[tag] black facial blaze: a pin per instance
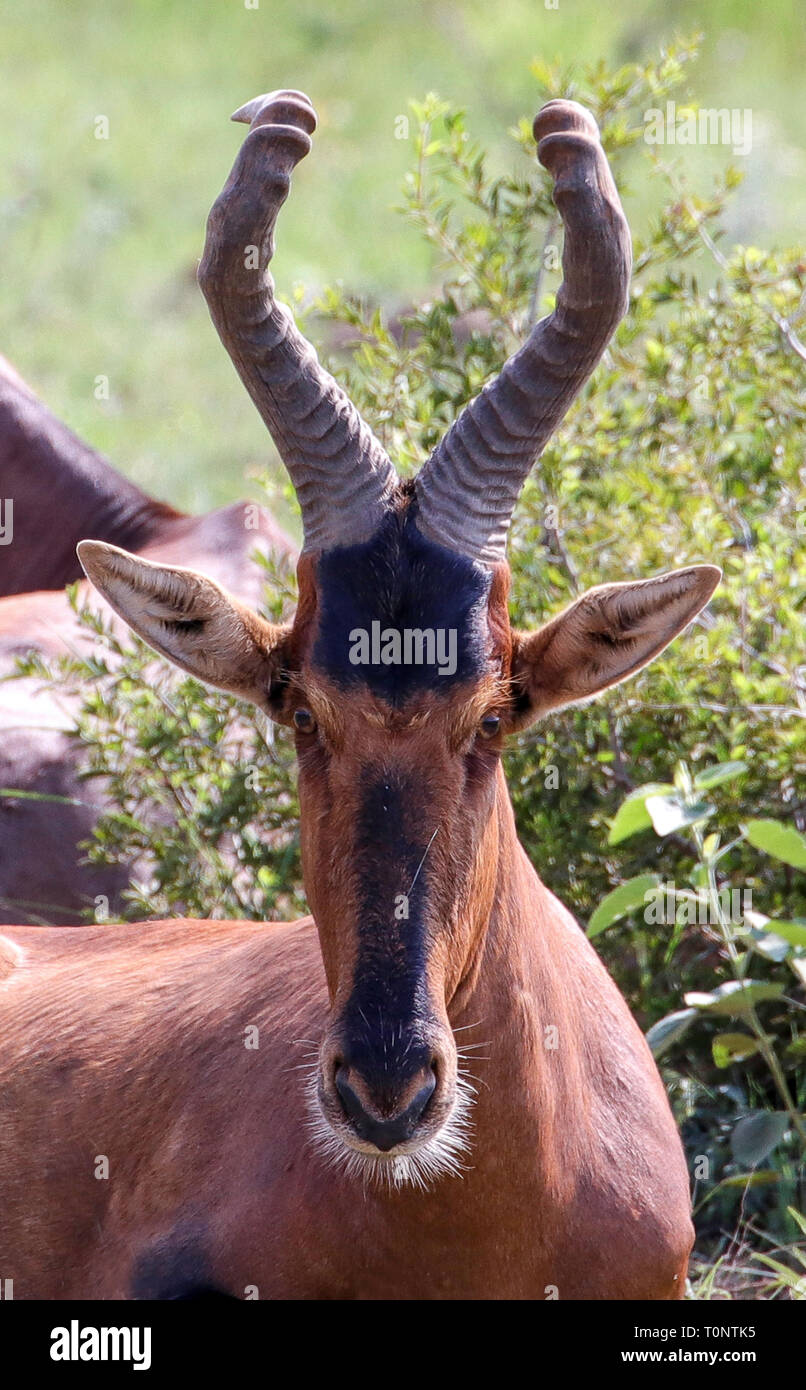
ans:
(388, 998)
(399, 582)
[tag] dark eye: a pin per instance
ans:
(304, 721)
(489, 726)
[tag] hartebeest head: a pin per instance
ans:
(400, 674)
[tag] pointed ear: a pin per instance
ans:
(189, 619)
(607, 635)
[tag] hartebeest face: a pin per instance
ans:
(398, 752)
(398, 783)
(399, 674)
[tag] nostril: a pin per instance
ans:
(351, 1104)
(416, 1109)
(384, 1133)
(423, 1096)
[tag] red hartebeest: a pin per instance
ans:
(53, 488)
(59, 488)
(174, 1049)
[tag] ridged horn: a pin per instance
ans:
(341, 474)
(468, 488)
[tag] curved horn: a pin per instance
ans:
(341, 474)
(468, 488)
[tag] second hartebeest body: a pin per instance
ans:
(432, 1088)
(59, 489)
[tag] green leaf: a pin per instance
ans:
(786, 1278)
(717, 774)
(728, 1048)
(16, 795)
(542, 71)
(769, 945)
(794, 931)
(632, 815)
(781, 841)
(669, 1030)
(670, 813)
(735, 998)
(682, 779)
(760, 1178)
(757, 1134)
(621, 901)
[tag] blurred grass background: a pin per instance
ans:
(99, 239)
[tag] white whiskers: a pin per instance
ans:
(442, 1155)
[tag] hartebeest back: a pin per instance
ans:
(295, 1108)
(55, 487)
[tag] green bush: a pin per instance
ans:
(687, 446)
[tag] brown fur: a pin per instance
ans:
(129, 1043)
(59, 486)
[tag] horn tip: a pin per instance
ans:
(248, 110)
(560, 117)
(287, 106)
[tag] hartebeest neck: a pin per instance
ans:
(506, 926)
(525, 1001)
